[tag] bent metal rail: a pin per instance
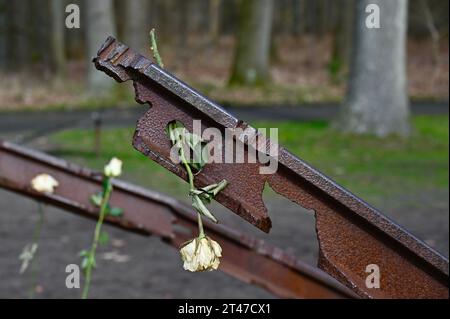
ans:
(351, 233)
(150, 213)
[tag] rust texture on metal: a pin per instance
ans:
(351, 233)
(149, 213)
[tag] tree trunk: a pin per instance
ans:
(182, 31)
(3, 35)
(196, 13)
(137, 27)
(39, 37)
(297, 17)
(17, 35)
(100, 24)
(321, 22)
(377, 101)
(340, 54)
(214, 21)
(75, 40)
(58, 58)
(251, 65)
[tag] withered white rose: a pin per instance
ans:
(44, 183)
(114, 168)
(201, 254)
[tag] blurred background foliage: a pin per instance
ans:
(45, 65)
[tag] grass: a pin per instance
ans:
(370, 167)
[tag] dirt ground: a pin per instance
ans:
(300, 74)
(134, 266)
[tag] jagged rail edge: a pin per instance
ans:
(117, 68)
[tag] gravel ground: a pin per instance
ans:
(133, 266)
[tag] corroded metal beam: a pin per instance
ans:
(351, 233)
(150, 213)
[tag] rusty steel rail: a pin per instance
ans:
(351, 233)
(149, 213)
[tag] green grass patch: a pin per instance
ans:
(370, 167)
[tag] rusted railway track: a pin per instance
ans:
(150, 213)
(351, 233)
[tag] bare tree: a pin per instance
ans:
(75, 38)
(182, 32)
(251, 65)
(377, 101)
(3, 34)
(434, 32)
(214, 20)
(340, 54)
(57, 37)
(17, 53)
(100, 24)
(137, 25)
(297, 11)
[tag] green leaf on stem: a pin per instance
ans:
(103, 238)
(199, 205)
(96, 199)
(208, 193)
(115, 211)
(199, 151)
(85, 263)
(88, 259)
(182, 138)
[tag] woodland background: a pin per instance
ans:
(310, 44)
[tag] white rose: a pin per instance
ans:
(201, 254)
(114, 168)
(44, 183)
